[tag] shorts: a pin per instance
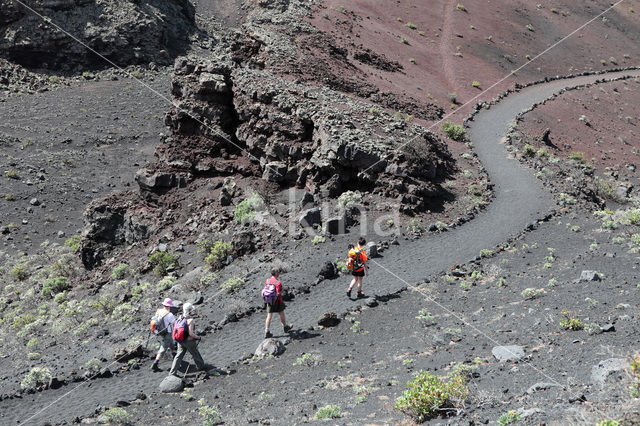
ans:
(166, 343)
(359, 273)
(276, 307)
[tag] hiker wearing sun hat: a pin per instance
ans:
(162, 326)
(184, 334)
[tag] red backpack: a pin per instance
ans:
(180, 330)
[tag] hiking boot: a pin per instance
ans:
(349, 293)
(360, 295)
(155, 368)
(287, 328)
(267, 334)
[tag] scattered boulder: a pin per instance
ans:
(590, 276)
(128, 353)
(332, 188)
(508, 353)
(161, 181)
(541, 386)
(372, 249)
(329, 270)
(225, 197)
(243, 243)
(171, 384)
(329, 319)
(612, 369)
(310, 218)
(336, 225)
(271, 346)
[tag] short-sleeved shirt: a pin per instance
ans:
(167, 322)
(278, 285)
(363, 257)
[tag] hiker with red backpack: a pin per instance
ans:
(357, 263)
(272, 296)
(184, 334)
(161, 326)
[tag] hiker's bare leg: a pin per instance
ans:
(353, 281)
(267, 323)
(282, 318)
(359, 284)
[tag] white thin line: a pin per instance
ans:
(160, 95)
(444, 308)
(494, 84)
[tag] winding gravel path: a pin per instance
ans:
(519, 200)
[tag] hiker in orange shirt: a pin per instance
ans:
(358, 260)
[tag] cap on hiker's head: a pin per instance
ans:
(187, 309)
(167, 302)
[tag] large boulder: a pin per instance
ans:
(310, 218)
(609, 370)
(336, 225)
(270, 347)
(508, 353)
(328, 319)
(126, 32)
(329, 270)
(171, 384)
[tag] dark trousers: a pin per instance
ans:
(183, 347)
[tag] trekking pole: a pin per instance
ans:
(146, 345)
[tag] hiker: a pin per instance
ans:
(358, 261)
(272, 295)
(162, 326)
(184, 334)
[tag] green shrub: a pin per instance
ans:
(35, 378)
(532, 293)
(94, 364)
(210, 415)
(427, 394)
(486, 253)
(577, 156)
(509, 417)
(342, 267)
(105, 304)
(569, 322)
(217, 254)
(12, 174)
(165, 284)
(64, 266)
(608, 422)
(20, 321)
(74, 242)
(529, 151)
(425, 318)
(412, 26)
(318, 239)
(162, 261)
(54, 285)
(530, 27)
(232, 284)
(329, 412)
(19, 273)
(475, 84)
(349, 199)
(208, 279)
(120, 271)
(116, 416)
(461, 7)
(453, 131)
(246, 210)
